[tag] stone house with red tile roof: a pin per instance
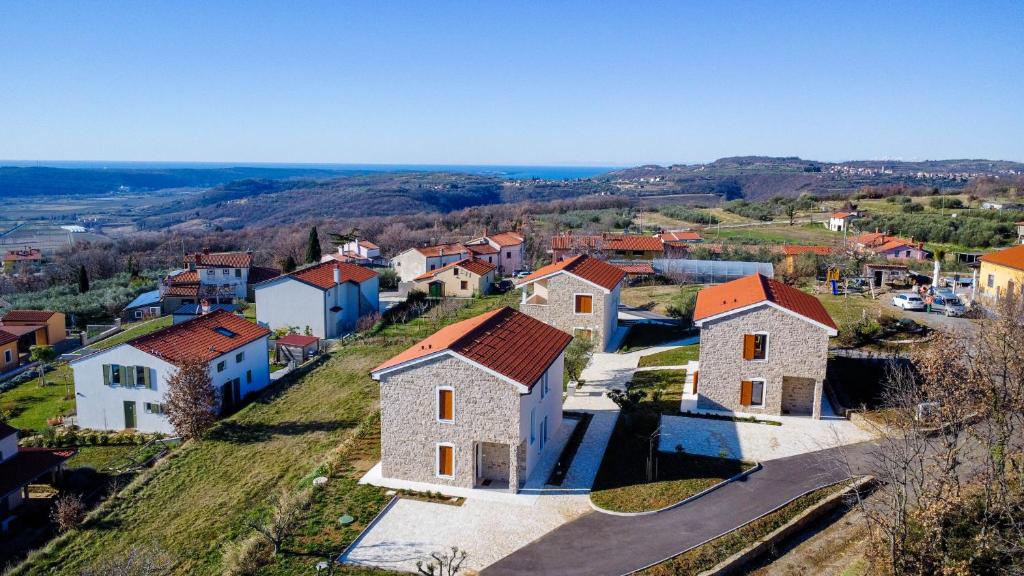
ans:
(328, 299)
(763, 349)
(124, 387)
(411, 263)
(474, 405)
(579, 295)
(463, 279)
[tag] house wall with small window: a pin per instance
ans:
(574, 305)
(236, 278)
(412, 263)
(9, 356)
(995, 281)
(106, 381)
(459, 283)
(540, 413)
(745, 358)
(286, 302)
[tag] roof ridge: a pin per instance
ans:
(472, 334)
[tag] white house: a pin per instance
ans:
(355, 252)
(509, 251)
(414, 262)
(840, 221)
(124, 387)
(327, 298)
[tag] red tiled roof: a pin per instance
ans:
(893, 245)
(221, 259)
(871, 239)
(184, 277)
(679, 236)
(21, 329)
(202, 338)
(297, 340)
(793, 250)
(182, 290)
(1010, 257)
(478, 267)
(482, 249)
(506, 341)
(27, 316)
(6, 338)
(583, 266)
(447, 249)
(754, 289)
(620, 242)
(322, 275)
(841, 215)
(28, 465)
(19, 255)
(259, 274)
(504, 239)
(645, 268)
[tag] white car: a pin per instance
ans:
(908, 301)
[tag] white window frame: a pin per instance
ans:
(222, 366)
(437, 404)
(767, 344)
(437, 461)
(211, 273)
(533, 422)
(225, 272)
(764, 385)
(8, 357)
(574, 295)
(138, 314)
(240, 357)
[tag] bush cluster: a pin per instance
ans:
(104, 299)
(979, 229)
(65, 437)
(686, 214)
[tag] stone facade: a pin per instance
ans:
(559, 311)
(797, 352)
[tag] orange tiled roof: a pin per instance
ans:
(841, 215)
(1010, 257)
(322, 275)
(6, 338)
(893, 244)
(19, 255)
(793, 250)
(184, 277)
(368, 245)
(871, 239)
(607, 242)
(504, 239)
(679, 236)
(447, 249)
(478, 267)
(583, 266)
(754, 289)
(644, 268)
(182, 290)
(29, 316)
(482, 249)
(205, 337)
(221, 259)
(506, 341)
(297, 340)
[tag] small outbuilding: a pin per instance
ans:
(295, 347)
(887, 274)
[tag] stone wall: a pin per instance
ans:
(797, 395)
(560, 311)
(486, 409)
(796, 348)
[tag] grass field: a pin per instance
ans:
(133, 331)
(849, 310)
(781, 233)
(675, 357)
(202, 496)
(31, 404)
(657, 298)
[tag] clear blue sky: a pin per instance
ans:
(510, 82)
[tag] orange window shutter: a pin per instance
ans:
(746, 392)
(584, 304)
(695, 374)
(445, 404)
(748, 346)
(445, 457)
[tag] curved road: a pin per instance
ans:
(605, 545)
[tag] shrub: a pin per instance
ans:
(246, 557)
(943, 202)
(911, 207)
(68, 512)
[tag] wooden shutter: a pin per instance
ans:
(106, 375)
(148, 378)
(695, 374)
(584, 303)
(748, 346)
(746, 392)
(445, 460)
(131, 375)
(445, 404)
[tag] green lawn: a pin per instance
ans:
(621, 483)
(675, 357)
(133, 331)
(201, 496)
(658, 298)
(846, 310)
(100, 457)
(30, 404)
(647, 335)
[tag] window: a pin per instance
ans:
(432, 266)
(138, 314)
(445, 460)
(508, 255)
(238, 272)
(455, 271)
(224, 332)
(8, 357)
(248, 376)
(464, 285)
(543, 385)
(638, 252)
(991, 281)
(755, 346)
(225, 272)
(445, 405)
(239, 357)
(153, 408)
(752, 393)
(115, 375)
(221, 365)
(142, 376)
(584, 304)
(533, 425)
(210, 273)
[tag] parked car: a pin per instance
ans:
(948, 305)
(945, 292)
(523, 273)
(908, 301)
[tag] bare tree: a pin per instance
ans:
(191, 401)
(443, 564)
(138, 560)
(68, 512)
(285, 516)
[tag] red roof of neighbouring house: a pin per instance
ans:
(322, 275)
(506, 341)
(841, 215)
(686, 236)
(28, 465)
(297, 340)
(368, 245)
(793, 250)
(184, 277)
(205, 337)
(636, 269)
(1010, 257)
(221, 259)
(893, 245)
(6, 338)
(182, 290)
(259, 274)
(478, 267)
(622, 242)
(439, 249)
(481, 249)
(27, 316)
(756, 288)
(582, 266)
(21, 255)
(504, 239)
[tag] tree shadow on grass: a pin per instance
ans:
(247, 433)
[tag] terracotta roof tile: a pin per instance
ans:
(447, 249)
(205, 337)
(506, 341)
(793, 250)
(1010, 257)
(478, 267)
(645, 268)
(6, 338)
(481, 249)
(583, 266)
(322, 275)
(754, 289)
(841, 215)
(297, 340)
(182, 291)
(504, 239)
(221, 259)
(368, 245)
(259, 274)
(184, 277)
(27, 316)
(620, 242)
(670, 236)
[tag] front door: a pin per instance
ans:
(129, 414)
(478, 457)
(437, 290)
(878, 278)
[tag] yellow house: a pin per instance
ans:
(463, 279)
(1001, 273)
(8, 351)
(46, 325)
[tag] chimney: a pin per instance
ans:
(206, 250)
(199, 258)
(204, 307)
(337, 275)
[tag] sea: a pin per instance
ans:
(506, 171)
